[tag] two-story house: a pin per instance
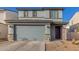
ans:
(37, 24)
(5, 15)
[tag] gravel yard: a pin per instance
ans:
(61, 46)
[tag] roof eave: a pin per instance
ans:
(39, 8)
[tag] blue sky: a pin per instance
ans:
(67, 13)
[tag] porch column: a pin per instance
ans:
(64, 33)
(10, 32)
(47, 32)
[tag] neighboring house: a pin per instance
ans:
(74, 20)
(37, 24)
(3, 31)
(73, 27)
(5, 15)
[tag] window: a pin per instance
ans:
(53, 14)
(21, 14)
(56, 14)
(60, 14)
(34, 13)
(25, 13)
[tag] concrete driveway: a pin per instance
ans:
(23, 46)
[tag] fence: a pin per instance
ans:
(73, 35)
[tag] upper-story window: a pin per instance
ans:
(34, 14)
(23, 14)
(20, 13)
(27, 14)
(56, 14)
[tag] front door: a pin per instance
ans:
(57, 32)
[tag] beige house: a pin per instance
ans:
(37, 24)
(74, 20)
(73, 27)
(3, 31)
(5, 15)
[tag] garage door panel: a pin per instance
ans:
(30, 32)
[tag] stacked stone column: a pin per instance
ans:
(10, 33)
(47, 32)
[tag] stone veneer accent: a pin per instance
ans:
(47, 32)
(10, 32)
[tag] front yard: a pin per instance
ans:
(61, 46)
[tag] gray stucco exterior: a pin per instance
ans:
(42, 26)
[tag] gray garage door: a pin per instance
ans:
(30, 32)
